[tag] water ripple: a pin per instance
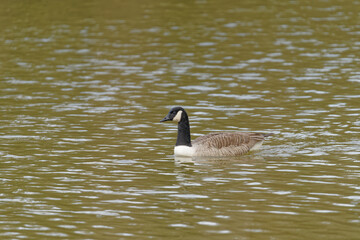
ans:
(83, 153)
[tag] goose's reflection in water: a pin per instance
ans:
(219, 160)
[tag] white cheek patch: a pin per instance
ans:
(177, 118)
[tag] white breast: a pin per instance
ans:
(184, 151)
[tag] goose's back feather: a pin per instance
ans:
(226, 143)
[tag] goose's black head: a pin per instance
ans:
(175, 114)
(179, 115)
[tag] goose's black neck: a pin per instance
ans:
(183, 137)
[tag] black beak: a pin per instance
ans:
(165, 119)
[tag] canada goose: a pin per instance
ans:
(214, 144)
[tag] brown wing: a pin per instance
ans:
(226, 144)
(220, 140)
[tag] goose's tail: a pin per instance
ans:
(267, 134)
